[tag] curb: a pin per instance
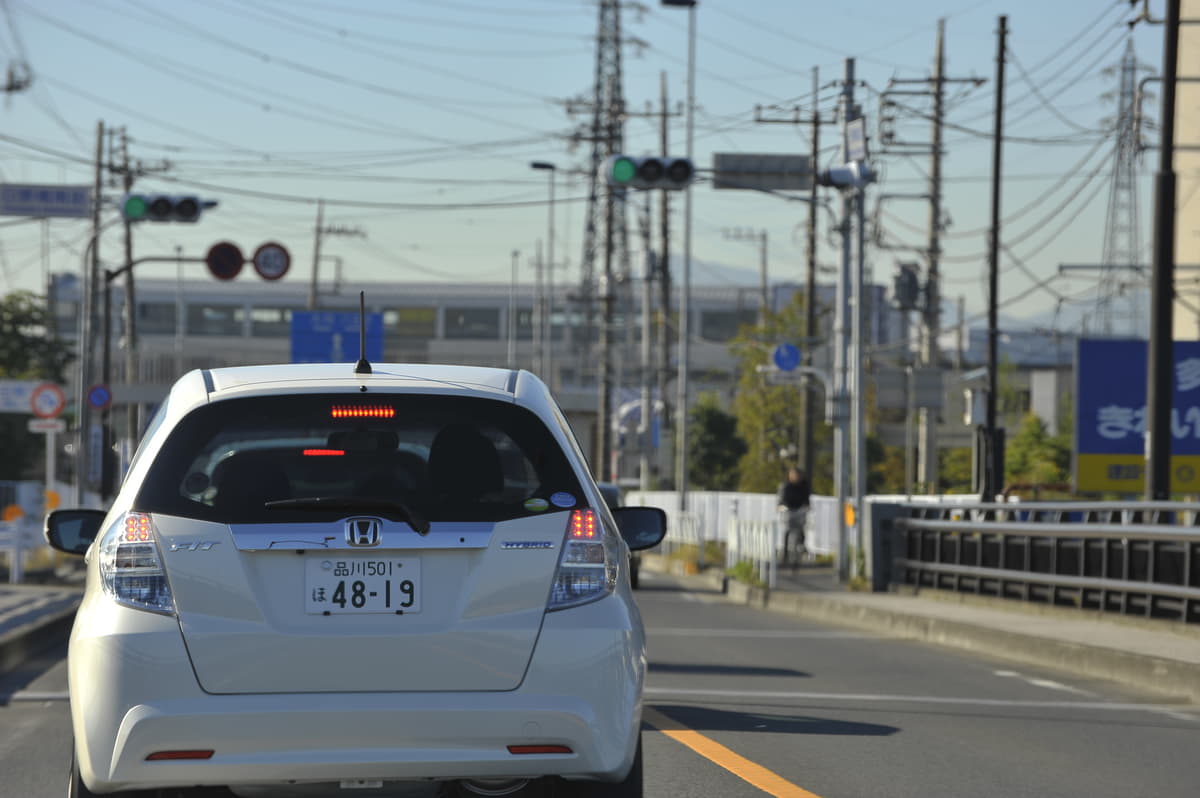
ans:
(1172, 679)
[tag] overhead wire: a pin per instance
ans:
(1065, 50)
(221, 85)
(301, 26)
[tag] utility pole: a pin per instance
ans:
(993, 441)
(927, 471)
(131, 363)
(319, 232)
(808, 406)
(87, 326)
(128, 172)
(758, 237)
(664, 266)
(1162, 306)
(930, 354)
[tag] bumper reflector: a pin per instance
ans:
(166, 756)
(540, 749)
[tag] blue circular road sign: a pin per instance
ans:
(787, 357)
(99, 396)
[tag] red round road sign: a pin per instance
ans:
(47, 400)
(272, 261)
(225, 260)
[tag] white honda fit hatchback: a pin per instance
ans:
(323, 580)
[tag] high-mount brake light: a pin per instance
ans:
(587, 567)
(324, 452)
(362, 411)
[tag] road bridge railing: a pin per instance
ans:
(1129, 558)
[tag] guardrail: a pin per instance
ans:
(17, 539)
(1114, 557)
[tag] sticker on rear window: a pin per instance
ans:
(536, 505)
(562, 499)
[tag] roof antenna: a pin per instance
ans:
(363, 366)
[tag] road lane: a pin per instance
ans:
(828, 712)
(844, 713)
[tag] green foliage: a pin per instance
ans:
(954, 470)
(885, 467)
(26, 353)
(716, 448)
(769, 417)
(1034, 457)
(745, 571)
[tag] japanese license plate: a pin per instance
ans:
(362, 583)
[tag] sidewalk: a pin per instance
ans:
(32, 617)
(1159, 656)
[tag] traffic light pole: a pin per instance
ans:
(106, 477)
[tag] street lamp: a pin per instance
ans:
(547, 319)
(681, 415)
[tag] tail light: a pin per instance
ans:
(587, 568)
(131, 566)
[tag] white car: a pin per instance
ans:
(323, 580)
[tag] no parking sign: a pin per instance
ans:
(47, 400)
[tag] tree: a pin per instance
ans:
(885, 470)
(768, 416)
(1034, 457)
(955, 470)
(716, 449)
(27, 352)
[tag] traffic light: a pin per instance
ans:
(162, 208)
(628, 171)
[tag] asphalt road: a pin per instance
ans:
(742, 702)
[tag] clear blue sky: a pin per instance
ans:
(430, 105)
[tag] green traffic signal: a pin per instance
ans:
(623, 170)
(134, 208)
(648, 172)
(163, 208)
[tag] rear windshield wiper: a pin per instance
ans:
(385, 507)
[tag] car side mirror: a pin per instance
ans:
(641, 527)
(73, 531)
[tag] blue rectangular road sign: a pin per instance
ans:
(23, 199)
(328, 337)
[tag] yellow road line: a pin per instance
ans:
(750, 772)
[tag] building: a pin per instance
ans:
(205, 323)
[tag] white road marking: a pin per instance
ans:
(702, 598)
(679, 631)
(1048, 684)
(1183, 711)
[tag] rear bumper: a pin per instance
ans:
(134, 694)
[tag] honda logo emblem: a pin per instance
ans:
(363, 532)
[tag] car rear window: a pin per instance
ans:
(446, 458)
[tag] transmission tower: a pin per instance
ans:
(605, 216)
(1122, 254)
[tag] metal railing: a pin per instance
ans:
(1115, 557)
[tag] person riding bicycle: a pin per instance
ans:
(793, 498)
